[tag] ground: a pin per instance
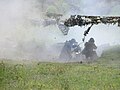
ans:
(102, 74)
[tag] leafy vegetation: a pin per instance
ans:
(103, 74)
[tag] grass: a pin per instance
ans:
(103, 74)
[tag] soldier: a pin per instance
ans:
(89, 50)
(66, 53)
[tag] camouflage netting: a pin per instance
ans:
(86, 20)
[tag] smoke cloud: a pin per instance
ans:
(21, 38)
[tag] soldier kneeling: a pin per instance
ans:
(89, 50)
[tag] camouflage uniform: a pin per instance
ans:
(66, 53)
(88, 51)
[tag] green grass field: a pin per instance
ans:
(103, 74)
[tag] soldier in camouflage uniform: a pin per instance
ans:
(89, 50)
(66, 53)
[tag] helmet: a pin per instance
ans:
(91, 40)
(72, 40)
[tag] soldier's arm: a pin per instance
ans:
(86, 44)
(94, 46)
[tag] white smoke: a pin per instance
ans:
(15, 29)
(20, 38)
